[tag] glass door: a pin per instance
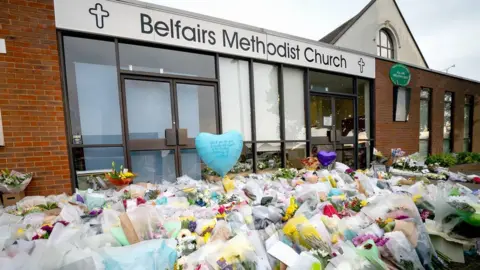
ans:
(332, 126)
(162, 119)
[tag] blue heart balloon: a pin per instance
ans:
(219, 152)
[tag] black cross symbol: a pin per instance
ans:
(99, 14)
(361, 64)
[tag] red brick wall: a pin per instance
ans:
(390, 134)
(31, 96)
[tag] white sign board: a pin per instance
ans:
(148, 24)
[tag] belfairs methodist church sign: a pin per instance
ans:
(400, 75)
(142, 21)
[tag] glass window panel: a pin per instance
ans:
(92, 87)
(364, 118)
(344, 122)
(446, 146)
(321, 117)
(467, 145)
(157, 60)
(401, 109)
(91, 160)
(384, 52)
(323, 82)
(149, 110)
(294, 104)
(153, 166)
(424, 119)
(266, 102)
(389, 53)
(378, 51)
(364, 154)
(235, 95)
(345, 154)
(425, 94)
(196, 109)
(296, 151)
(268, 157)
(448, 97)
(191, 163)
(466, 122)
(383, 38)
(468, 100)
(423, 148)
(245, 162)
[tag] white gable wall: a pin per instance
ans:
(362, 34)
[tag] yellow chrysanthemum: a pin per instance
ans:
(416, 197)
(363, 203)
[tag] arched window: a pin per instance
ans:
(385, 44)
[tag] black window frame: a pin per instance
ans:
(452, 122)
(390, 44)
(469, 101)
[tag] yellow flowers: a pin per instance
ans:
(363, 203)
(291, 209)
(126, 175)
(416, 198)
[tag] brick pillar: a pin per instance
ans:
(31, 96)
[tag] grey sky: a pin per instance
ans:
(447, 31)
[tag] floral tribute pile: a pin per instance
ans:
(308, 219)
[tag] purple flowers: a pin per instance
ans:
(349, 171)
(192, 225)
(379, 241)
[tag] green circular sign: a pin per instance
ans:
(400, 75)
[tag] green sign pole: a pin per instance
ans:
(400, 75)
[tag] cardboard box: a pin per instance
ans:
(12, 198)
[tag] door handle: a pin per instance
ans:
(182, 136)
(170, 137)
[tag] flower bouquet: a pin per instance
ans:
(13, 181)
(119, 178)
(310, 163)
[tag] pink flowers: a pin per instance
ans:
(379, 241)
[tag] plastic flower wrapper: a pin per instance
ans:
(400, 253)
(236, 250)
(266, 215)
(348, 259)
(148, 224)
(253, 190)
(153, 254)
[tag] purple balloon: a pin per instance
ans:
(326, 158)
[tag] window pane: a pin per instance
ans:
(448, 97)
(321, 117)
(245, 162)
(467, 145)
(296, 151)
(469, 100)
(294, 104)
(363, 88)
(235, 95)
(92, 87)
(196, 108)
(323, 82)
(384, 52)
(364, 154)
(378, 51)
(425, 93)
(383, 38)
(153, 166)
(446, 146)
(268, 156)
(156, 60)
(423, 148)
(466, 122)
(191, 163)
(88, 160)
(149, 110)
(424, 119)
(401, 111)
(266, 102)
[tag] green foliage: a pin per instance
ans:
(448, 160)
(468, 157)
(444, 160)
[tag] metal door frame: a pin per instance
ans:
(161, 144)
